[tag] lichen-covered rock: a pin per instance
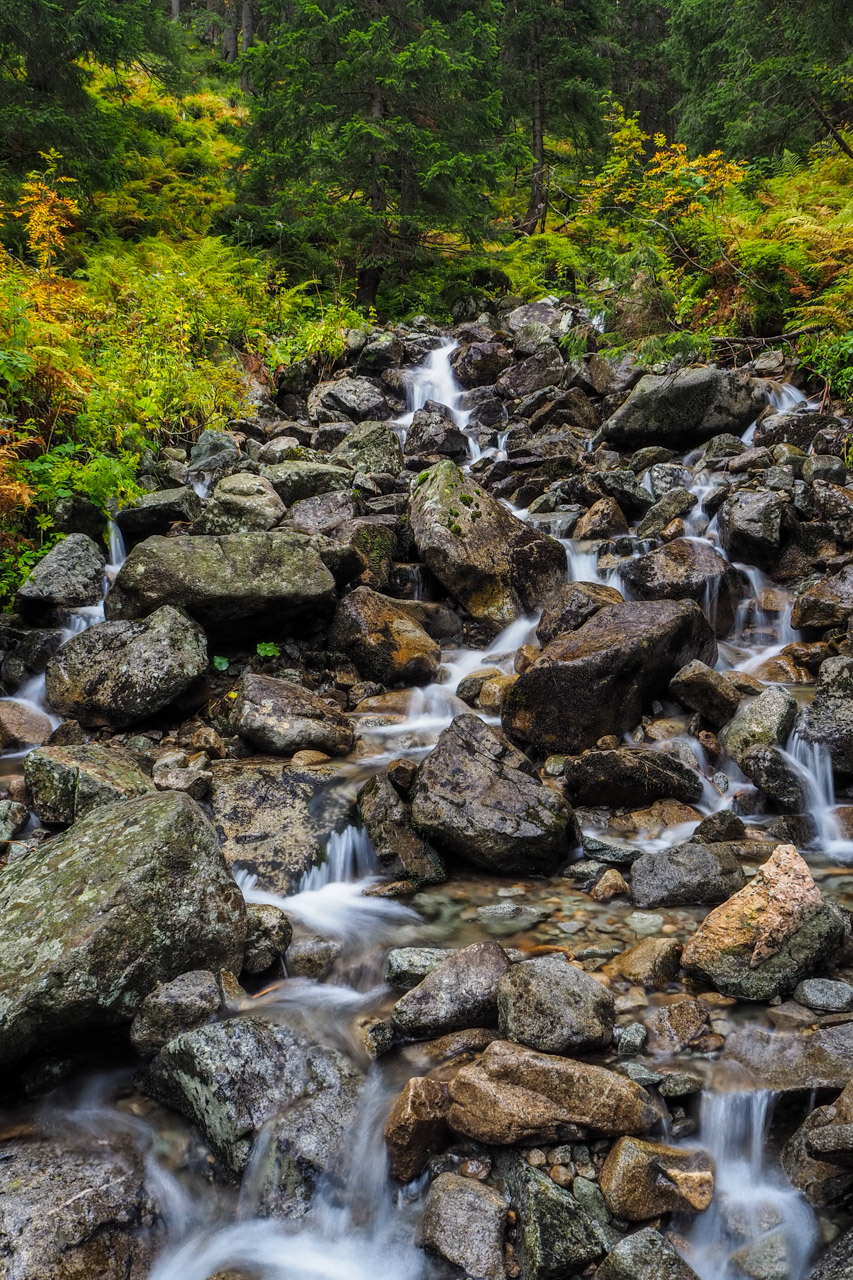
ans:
(268, 578)
(186, 1002)
(495, 565)
(829, 717)
(155, 512)
(643, 1179)
(644, 1255)
(479, 798)
(66, 783)
(597, 680)
(133, 895)
(549, 1004)
(688, 569)
(76, 1210)
(829, 603)
(768, 936)
(120, 672)
(370, 447)
(268, 936)
(766, 720)
(281, 717)
(462, 991)
(241, 503)
(465, 1221)
(348, 398)
(70, 576)
(383, 640)
(684, 408)
(299, 479)
(555, 1236)
(22, 724)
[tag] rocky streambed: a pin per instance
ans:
(427, 832)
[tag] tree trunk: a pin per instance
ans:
(828, 125)
(537, 186)
(214, 28)
(248, 26)
(231, 37)
(176, 10)
(370, 275)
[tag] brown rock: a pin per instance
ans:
(22, 724)
(702, 689)
(605, 519)
(642, 1179)
(384, 642)
(611, 884)
(675, 1026)
(653, 962)
(822, 1180)
(516, 1095)
(417, 1128)
(465, 1222)
(571, 605)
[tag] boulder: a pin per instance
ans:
(134, 894)
(797, 428)
(13, 818)
(479, 364)
(555, 1235)
(22, 724)
(685, 874)
(514, 1095)
(699, 688)
(829, 717)
(597, 680)
(825, 996)
(823, 1179)
(750, 525)
(156, 512)
(432, 436)
(833, 506)
(172, 1007)
(76, 1210)
(768, 936)
(370, 447)
(213, 451)
(571, 605)
(417, 1128)
(549, 1004)
(544, 313)
(383, 640)
(628, 777)
(643, 1179)
(605, 519)
(241, 503)
(790, 1062)
(644, 1255)
(70, 576)
(495, 565)
(121, 672)
(684, 408)
(478, 797)
(675, 503)
(281, 718)
(296, 480)
(462, 991)
(230, 1078)
(688, 569)
(837, 1262)
(355, 399)
(829, 603)
(766, 720)
(388, 821)
(544, 368)
(465, 1221)
(775, 773)
(66, 783)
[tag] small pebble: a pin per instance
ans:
(561, 1175)
(536, 1157)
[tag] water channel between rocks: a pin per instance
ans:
(362, 1223)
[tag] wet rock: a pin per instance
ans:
(229, 1078)
(477, 797)
(271, 578)
(172, 1007)
(70, 576)
(823, 1181)
(829, 603)
(354, 398)
(688, 569)
(388, 821)
(684, 408)
(22, 724)
(299, 479)
(371, 447)
(407, 966)
(699, 688)
(644, 1255)
(571, 605)
(213, 451)
(685, 874)
(121, 672)
(674, 1027)
(750, 525)
(76, 1210)
(241, 503)
(627, 777)
(774, 773)
(596, 680)
(280, 717)
(768, 936)
(515, 1095)
(544, 368)
(833, 505)
(462, 991)
(417, 1128)
(270, 820)
(479, 364)
(653, 962)
(465, 1221)
(13, 818)
(791, 1061)
(498, 567)
(829, 717)
(798, 428)
(384, 642)
(156, 512)
(825, 996)
(549, 1004)
(659, 517)
(433, 436)
(766, 720)
(268, 936)
(65, 783)
(555, 1235)
(605, 519)
(133, 895)
(642, 1179)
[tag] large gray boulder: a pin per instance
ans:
(371, 446)
(479, 798)
(230, 1078)
(75, 1209)
(688, 569)
(66, 783)
(464, 1221)
(766, 720)
(684, 408)
(70, 576)
(268, 578)
(750, 525)
(597, 680)
(686, 874)
(134, 894)
(120, 672)
(156, 512)
(548, 1004)
(297, 480)
(353, 399)
(495, 565)
(829, 717)
(461, 991)
(282, 717)
(241, 503)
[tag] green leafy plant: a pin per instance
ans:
(220, 663)
(268, 649)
